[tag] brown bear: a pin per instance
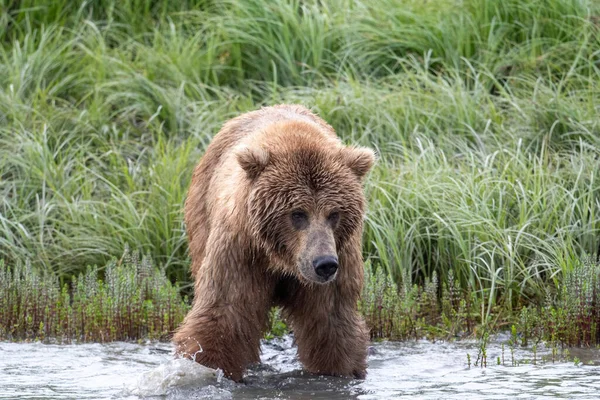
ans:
(274, 217)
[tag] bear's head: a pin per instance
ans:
(305, 199)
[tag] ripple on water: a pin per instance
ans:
(396, 370)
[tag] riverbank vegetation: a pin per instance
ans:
(134, 300)
(484, 207)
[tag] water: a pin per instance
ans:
(396, 370)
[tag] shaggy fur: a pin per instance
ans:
(275, 190)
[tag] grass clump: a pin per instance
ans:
(410, 311)
(579, 304)
(133, 301)
(570, 316)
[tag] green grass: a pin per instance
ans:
(485, 114)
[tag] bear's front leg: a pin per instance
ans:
(213, 336)
(229, 313)
(332, 337)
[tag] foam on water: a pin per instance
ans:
(416, 369)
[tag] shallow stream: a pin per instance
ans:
(420, 369)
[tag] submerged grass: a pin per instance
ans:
(484, 113)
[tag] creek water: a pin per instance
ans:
(418, 369)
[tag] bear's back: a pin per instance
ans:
(255, 121)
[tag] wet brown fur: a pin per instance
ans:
(258, 168)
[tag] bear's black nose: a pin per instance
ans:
(325, 266)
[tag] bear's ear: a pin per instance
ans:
(359, 160)
(252, 160)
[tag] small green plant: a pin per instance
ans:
(512, 343)
(482, 348)
(278, 327)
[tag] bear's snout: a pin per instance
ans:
(325, 266)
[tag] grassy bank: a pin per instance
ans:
(485, 113)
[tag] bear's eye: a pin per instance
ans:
(333, 218)
(299, 219)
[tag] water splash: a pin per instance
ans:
(177, 373)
